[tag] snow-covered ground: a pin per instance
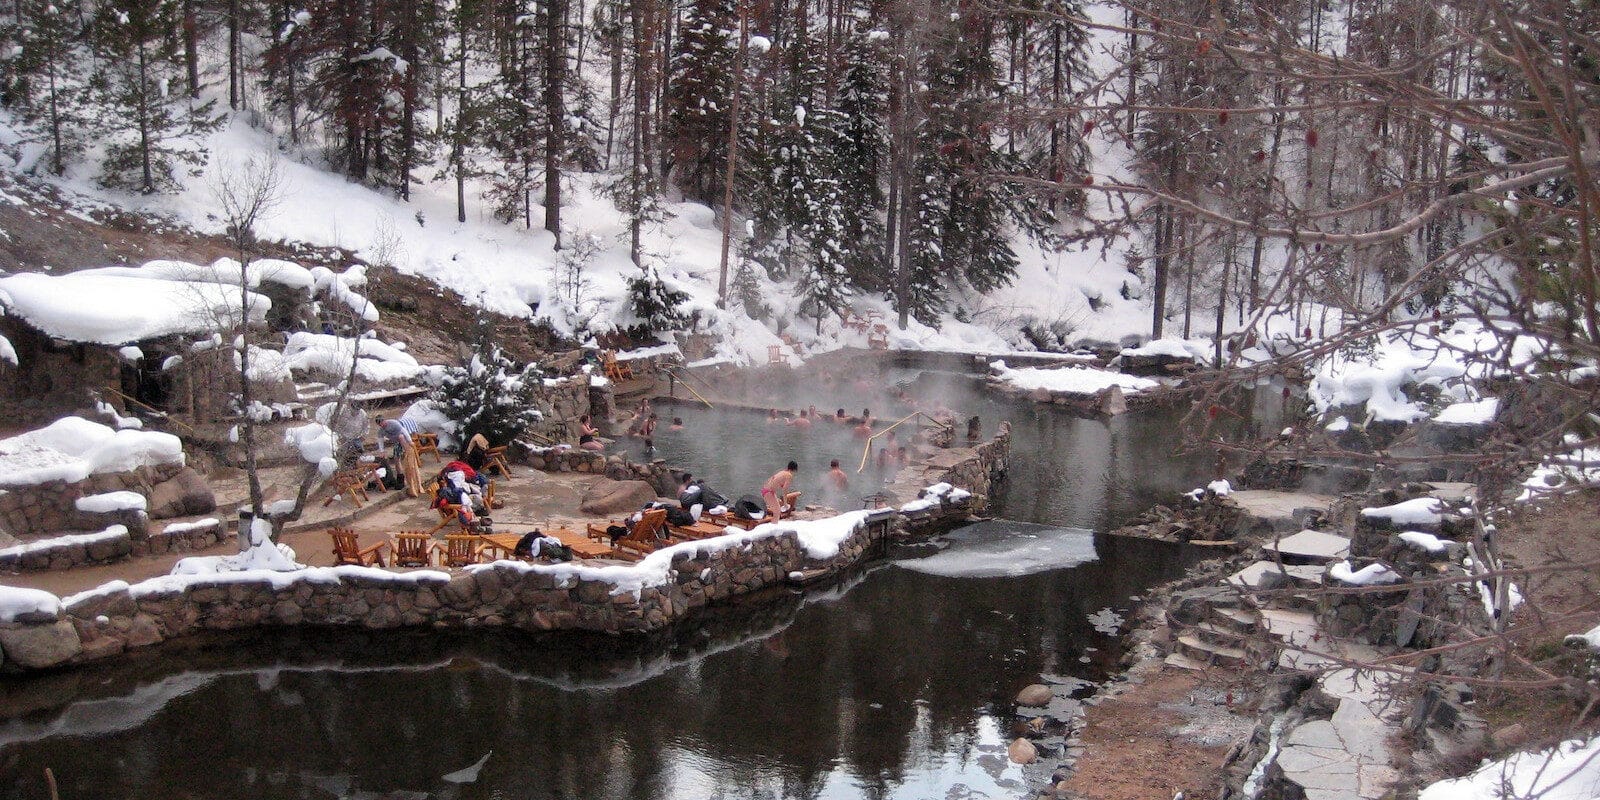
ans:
(1568, 771)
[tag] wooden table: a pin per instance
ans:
(580, 545)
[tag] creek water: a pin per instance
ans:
(894, 683)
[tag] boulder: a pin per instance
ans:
(185, 494)
(607, 497)
(41, 646)
(1022, 751)
(1034, 696)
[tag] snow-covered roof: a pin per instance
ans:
(113, 309)
(73, 448)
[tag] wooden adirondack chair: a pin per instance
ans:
(495, 459)
(643, 536)
(614, 369)
(347, 549)
(412, 549)
(427, 443)
(348, 482)
(459, 550)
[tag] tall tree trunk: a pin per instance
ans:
(143, 103)
(191, 48)
(458, 144)
(234, 78)
(555, 69)
(733, 151)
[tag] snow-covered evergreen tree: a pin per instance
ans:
(700, 96)
(146, 121)
(964, 212)
(656, 306)
(44, 78)
(490, 395)
(860, 152)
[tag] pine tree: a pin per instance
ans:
(490, 395)
(700, 97)
(46, 82)
(134, 40)
(959, 232)
(656, 307)
(860, 156)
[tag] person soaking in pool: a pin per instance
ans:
(776, 487)
(837, 480)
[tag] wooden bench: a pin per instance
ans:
(790, 501)
(705, 528)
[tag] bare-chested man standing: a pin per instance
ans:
(776, 487)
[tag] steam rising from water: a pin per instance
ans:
(1006, 549)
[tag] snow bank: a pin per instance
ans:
(1568, 771)
(1199, 350)
(1420, 511)
(113, 309)
(1577, 467)
(1370, 575)
(1476, 412)
(316, 443)
(1069, 380)
(263, 555)
(1423, 541)
(329, 355)
(110, 502)
(16, 601)
(934, 496)
(73, 448)
(649, 352)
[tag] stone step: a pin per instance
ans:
(1216, 634)
(1181, 661)
(1216, 654)
(1308, 547)
(1240, 620)
(1265, 575)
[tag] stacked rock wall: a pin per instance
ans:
(49, 507)
(118, 617)
(987, 466)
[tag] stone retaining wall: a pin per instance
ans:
(182, 538)
(68, 551)
(987, 466)
(1109, 402)
(49, 507)
(116, 618)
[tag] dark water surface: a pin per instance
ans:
(895, 683)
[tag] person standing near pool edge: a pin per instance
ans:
(776, 487)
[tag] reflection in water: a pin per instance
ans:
(887, 689)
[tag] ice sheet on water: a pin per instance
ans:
(1106, 621)
(998, 549)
